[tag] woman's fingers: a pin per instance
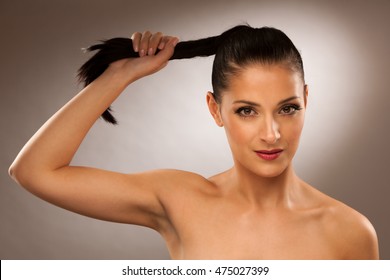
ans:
(147, 43)
(136, 38)
(149, 62)
(166, 53)
(144, 43)
(164, 42)
(154, 42)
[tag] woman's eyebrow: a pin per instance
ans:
(251, 103)
(288, 99)
(247, 102)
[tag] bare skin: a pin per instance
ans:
(258, 209)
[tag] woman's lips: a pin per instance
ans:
(269, 154)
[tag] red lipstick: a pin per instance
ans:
(269, 154)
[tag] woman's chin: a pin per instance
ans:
(270, 171)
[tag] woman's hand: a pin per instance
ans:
(147, 45)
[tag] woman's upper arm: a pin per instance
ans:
(105, 195)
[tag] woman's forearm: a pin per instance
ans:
(55, 143)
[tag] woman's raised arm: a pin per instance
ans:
(42, 166)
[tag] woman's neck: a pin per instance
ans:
(264, 192)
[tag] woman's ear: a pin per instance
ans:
(305, 94)
(214, 109)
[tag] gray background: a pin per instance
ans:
(164, 122)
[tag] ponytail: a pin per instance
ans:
(235, 47)
(118, 48)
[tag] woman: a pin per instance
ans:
(258, 209)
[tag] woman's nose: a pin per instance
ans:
(270, 131)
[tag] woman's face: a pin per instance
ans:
(262, 112)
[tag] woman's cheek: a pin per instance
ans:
(292, 132)
(239, 132)
(235, 133)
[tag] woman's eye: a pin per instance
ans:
(246, 112)
(290, 109)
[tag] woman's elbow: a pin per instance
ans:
(20, 173)
(13, 172)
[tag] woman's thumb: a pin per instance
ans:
(169, 48)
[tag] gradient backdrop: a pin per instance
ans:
(164, 121)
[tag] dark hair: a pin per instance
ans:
(234, 49)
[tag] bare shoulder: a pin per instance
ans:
(350, 232)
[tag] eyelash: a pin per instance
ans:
(240, 111)
(252, 112)
(293, 106)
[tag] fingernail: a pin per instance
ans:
(175, 41)
(136, 49)
(150, 52)
(142, 53)
(161, 46)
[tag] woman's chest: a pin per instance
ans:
(227, 233)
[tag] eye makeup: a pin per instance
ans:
(290, 109)
(246, 111)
